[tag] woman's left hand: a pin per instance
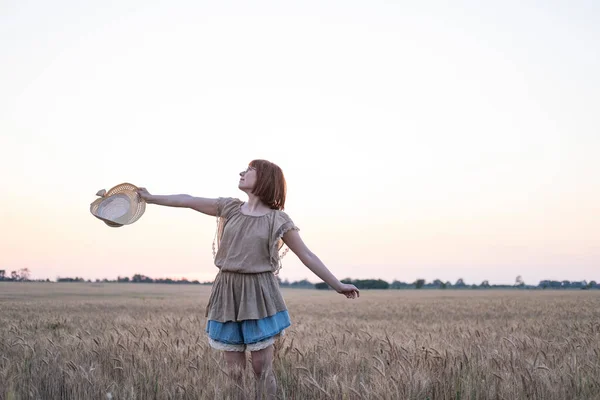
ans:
(350, 291)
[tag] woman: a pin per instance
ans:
(246, 311)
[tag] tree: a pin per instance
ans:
(24, 274)
(284, 283)
(302, 284)
(419, 283)
(396, 284)
(14, 275)
(321, 286)
(370, 284)
(2, 274)
(485, 284)
(519, 281)
(460, 283)
(141, 278)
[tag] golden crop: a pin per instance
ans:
(146, 341)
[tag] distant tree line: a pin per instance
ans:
(15, 276)
(303, 284)
(460, 284)
(23, 275)
(137, 278)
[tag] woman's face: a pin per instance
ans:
(247, 179)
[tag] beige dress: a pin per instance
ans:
(248, 257)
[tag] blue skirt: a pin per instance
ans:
(248, 331)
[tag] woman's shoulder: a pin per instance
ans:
(227, 205)
(282, 220)
(280, 214)
(227, 200)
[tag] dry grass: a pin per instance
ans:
(85, 341)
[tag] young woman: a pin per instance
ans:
(246, 310)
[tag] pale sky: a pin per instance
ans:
(419, 139)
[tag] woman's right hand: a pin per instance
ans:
(350, 291)
(143, 193)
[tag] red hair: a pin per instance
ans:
(270, 185)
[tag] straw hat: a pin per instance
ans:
(120, 206)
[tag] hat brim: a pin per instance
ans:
(120, 206)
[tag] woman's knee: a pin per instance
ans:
(236, 362)
(258, 364)
(262, 360)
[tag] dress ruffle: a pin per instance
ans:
(277, 243)
(263, 344)
(249, 331)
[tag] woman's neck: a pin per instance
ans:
(254, 205)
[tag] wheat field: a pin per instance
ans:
(146, 341)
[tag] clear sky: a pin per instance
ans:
(425, 139)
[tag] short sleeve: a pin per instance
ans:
(282, 223)
(225, 205)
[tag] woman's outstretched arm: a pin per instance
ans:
(204, 205)
(293, 240)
